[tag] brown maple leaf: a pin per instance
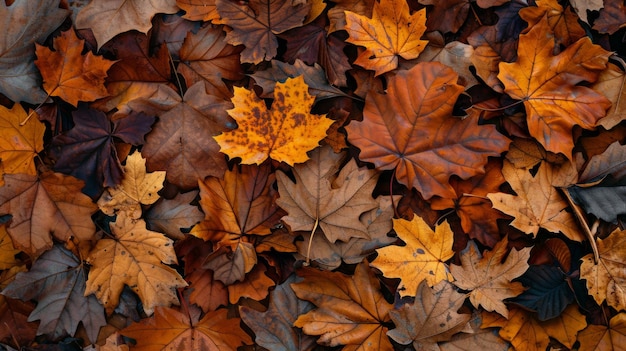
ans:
(326, 197)
(410, 129)
(20, 143)
(563, 22)
(256, 23)
(171, 329)
(391, 32)
(70, 75)
(547, 86)
(488, 277)
(350, 311)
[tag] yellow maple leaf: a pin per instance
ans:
(606, 279)
(284, 133)
(138, 258)
(422, 258)
(19, 143)
(137, 187)
(391, 32)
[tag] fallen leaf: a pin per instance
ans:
(547, 86)
(23, 24)
(284, 133)
(548, 292)
(127, 15)
(538, 203)
(324, 196)
(601, 337)
(138, 258)
(447, 16)
(605, 278)
(88, 152)
(525, 332)
(612, 17)
(410, 129)
(179, 142)
(454, 54)
(70, 75)
(314, 77)
(170, 329)
(169, 216)
(583, 6)
(14, 314)
(45, 206)
(391, 32)
(329, 256)
(476, 338)
(256, 23)
(57, 281)
(206, 56)
(274, 328)
(421, 259)
(478, 218)
(611, 162)
(337, 13)
(19, 143)
(611, 83)
(489, 51)
(431, 318)
(350, 310)
(137, 187)
(138, 72)
(255, 286)
(199, 10)
(562, 22)
(489, 277)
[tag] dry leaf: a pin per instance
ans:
(19, 144)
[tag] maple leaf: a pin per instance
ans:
(137, 73)
(14, 313)
(446, 16)
(603, 337)
(612, 17)
(206, 56)
(256, 23)
(547, 86)
(40, 206)
(611, 83)
(489, 51)
(138, 258)
(455, 54)
(313, 76)
(169, 216)
(475, 338)
(88, 151)
(488, 277)
(329, 256)
(432, 317)
(24, 23)
(525, 332)
(137, 187)
(422, 258)
(237, 206)
(199, 10)
(478, 218)
(391, 32)
(538, 203)
(323, 196)
(57, 281)
(126, 14)
(179, 142)
(19, 143)
(254, 286)
(70, 75)
(7, 250)
(605, 278)
(170, 329)
(285, 133)
(410, 128)
(350, 311)
(312, 44)
(563, 22)
(274, 328)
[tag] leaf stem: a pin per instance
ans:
(499, 108)
(589, 233)
(308, 249)
(30, 114)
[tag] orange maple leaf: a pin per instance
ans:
(169, 329)
(68, 74)
(391, 32)
(284, 133)
(19, 143)
(411, 129)
(547, 86)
